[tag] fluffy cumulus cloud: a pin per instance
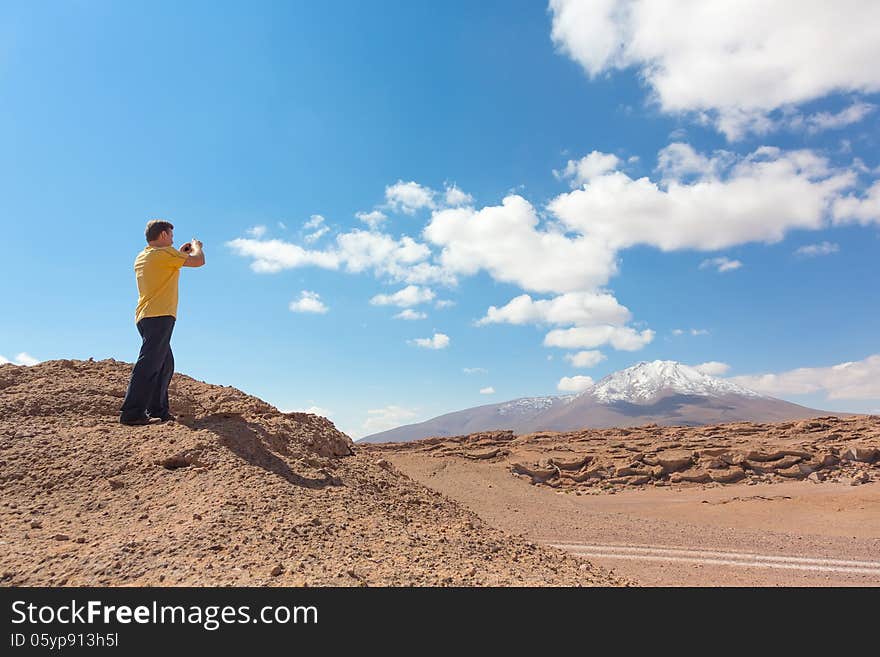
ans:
(314, 221)
(580, 308)
(506, 241)
(373, 219)
(308, 302)
(734, 62)
(399, 259)
(712, 368)
(622, 338)
(22, 358)
(721, 264)
(851, 380)
(707, 202)
(585, 359)
(820, 249)
(455, 197)
(862, 209)
(411, 295)
(581, 171)
(574, 383)
(489, 390)
(409, 197)
(410, 314)
(436, 341)
(380, 419)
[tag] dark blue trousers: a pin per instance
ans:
(148, 388)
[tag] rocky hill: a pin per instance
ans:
(234, 493)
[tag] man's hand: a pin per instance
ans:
(195, 255)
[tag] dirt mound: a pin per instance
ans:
(607, 460)
(235, 493)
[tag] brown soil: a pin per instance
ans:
(234, 493)
(794, 503)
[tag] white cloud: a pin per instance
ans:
(504, 240)
(401, 259)
(585, 359)
(282, 225)
(863, 210)
(315, 236)
(726, 200)
(408, 197)
(851, 380)
(314, 221)
(574, 383)
(580, 308)
(410, 314)
(722, 264)
(487, 391)
(732, 62)
(437, 341)
(308, 302)
(622, 338)
(380, 419)
(820, 249)
(475, 370)
(256, 231)
(588, 167)
(712, 368)
(444, 303)
(455, 197)
(271, 256)
(21, 358)
(847, 116)
(411, 295)
(373, 219)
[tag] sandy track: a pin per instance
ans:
(794, 533)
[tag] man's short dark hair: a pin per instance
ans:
(155, 228)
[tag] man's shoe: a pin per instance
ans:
(167, 417)
(134, 421)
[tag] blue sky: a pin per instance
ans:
(633, 181)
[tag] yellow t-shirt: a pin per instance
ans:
(157, 270)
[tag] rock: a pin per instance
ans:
(729, 476)
(384, 464)
(816, 477)
(115, 484)
(577, 464)
(859, 453)
(630, 471)
(733, 458)
(639, 480)
(786, 462)
(673, 460)
(538, 474)
(36, 524)
(715, 464)
(61, 537)
(694, 476)
(793, 472)
(277, 570)
(861, 478)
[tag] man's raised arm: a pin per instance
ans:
(195, 254)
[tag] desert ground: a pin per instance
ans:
(786, 504)
(234, 493)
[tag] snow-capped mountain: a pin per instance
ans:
(646, 380)
(661, 392)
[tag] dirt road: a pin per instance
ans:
(796, 533)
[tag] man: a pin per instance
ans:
(157, 269)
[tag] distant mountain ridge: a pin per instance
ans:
(661, 392)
